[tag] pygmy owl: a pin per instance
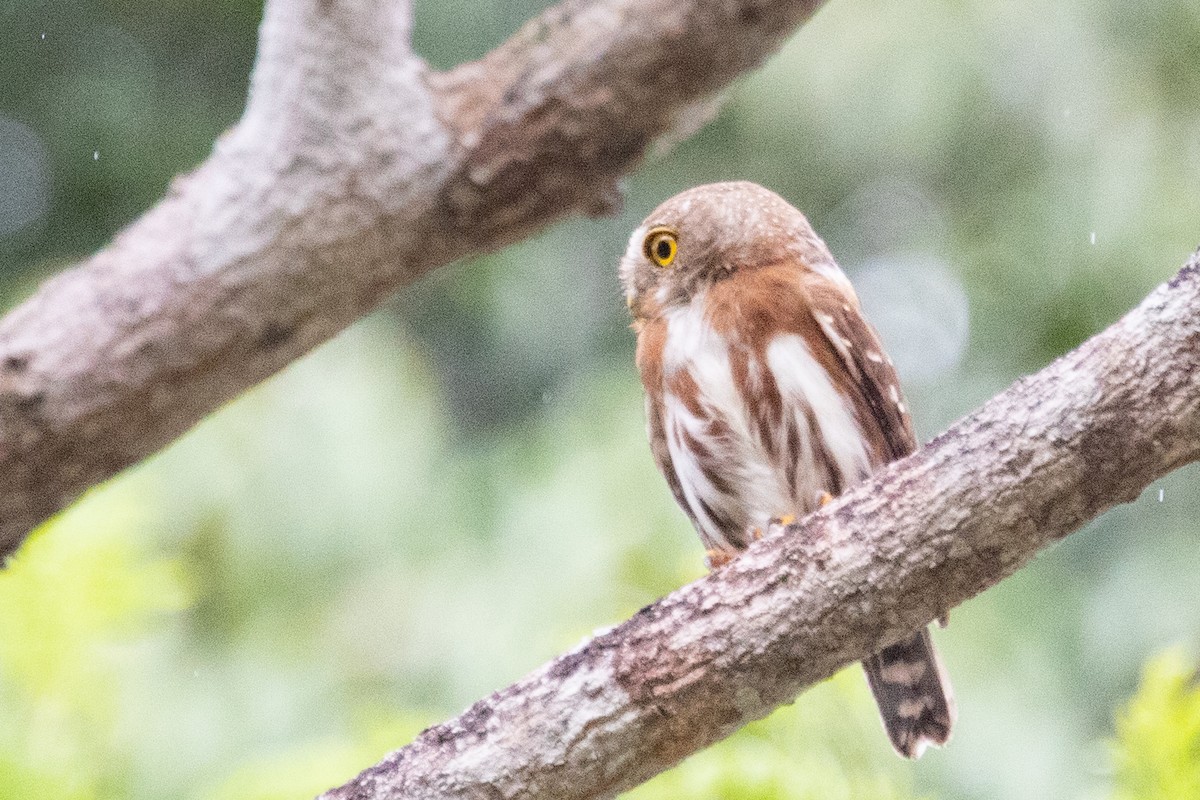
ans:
(767, 392)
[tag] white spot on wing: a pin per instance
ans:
(829, 328)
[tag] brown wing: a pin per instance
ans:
(907, 678)
(870, 380)
(662, 454)
(651, 340)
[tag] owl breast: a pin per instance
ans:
(752, 426)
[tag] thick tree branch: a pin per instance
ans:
(1034, 464)
(354, 170)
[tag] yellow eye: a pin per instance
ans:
(661, 246)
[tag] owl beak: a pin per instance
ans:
(631, 302)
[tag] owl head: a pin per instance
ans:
(709, 233)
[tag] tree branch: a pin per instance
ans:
(354, 170)
(1091, 430)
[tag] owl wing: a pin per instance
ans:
(651, 340)
(907, 678)
(657, 434)
(872, 385)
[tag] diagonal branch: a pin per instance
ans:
(1038, 461)
(354, 170)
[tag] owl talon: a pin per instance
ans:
(780, 522)
(824, 499)
(715, 559)
(756, 534)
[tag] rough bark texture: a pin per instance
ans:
(354, 170)
(357, 169)
(1034, 464)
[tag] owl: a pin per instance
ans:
(768, 392)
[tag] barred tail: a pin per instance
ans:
(913, 694)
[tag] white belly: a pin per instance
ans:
(745, 472)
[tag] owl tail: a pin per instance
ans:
(913, 694)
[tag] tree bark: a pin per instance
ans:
(1089, 431)
(354, 170)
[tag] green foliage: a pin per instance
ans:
(1158, 733)
(458, 489)
(77, 603)
(828, 746)
(307, 771)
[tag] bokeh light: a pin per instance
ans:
(458, 488)
(24, 176)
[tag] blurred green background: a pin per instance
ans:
(458, 488)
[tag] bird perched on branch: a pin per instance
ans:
(767, 392)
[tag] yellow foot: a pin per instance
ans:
(756, 533)
(715, 559)
(825, 499)
(780, 522)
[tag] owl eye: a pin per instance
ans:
(661, 246)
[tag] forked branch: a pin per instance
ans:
(355, 170)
